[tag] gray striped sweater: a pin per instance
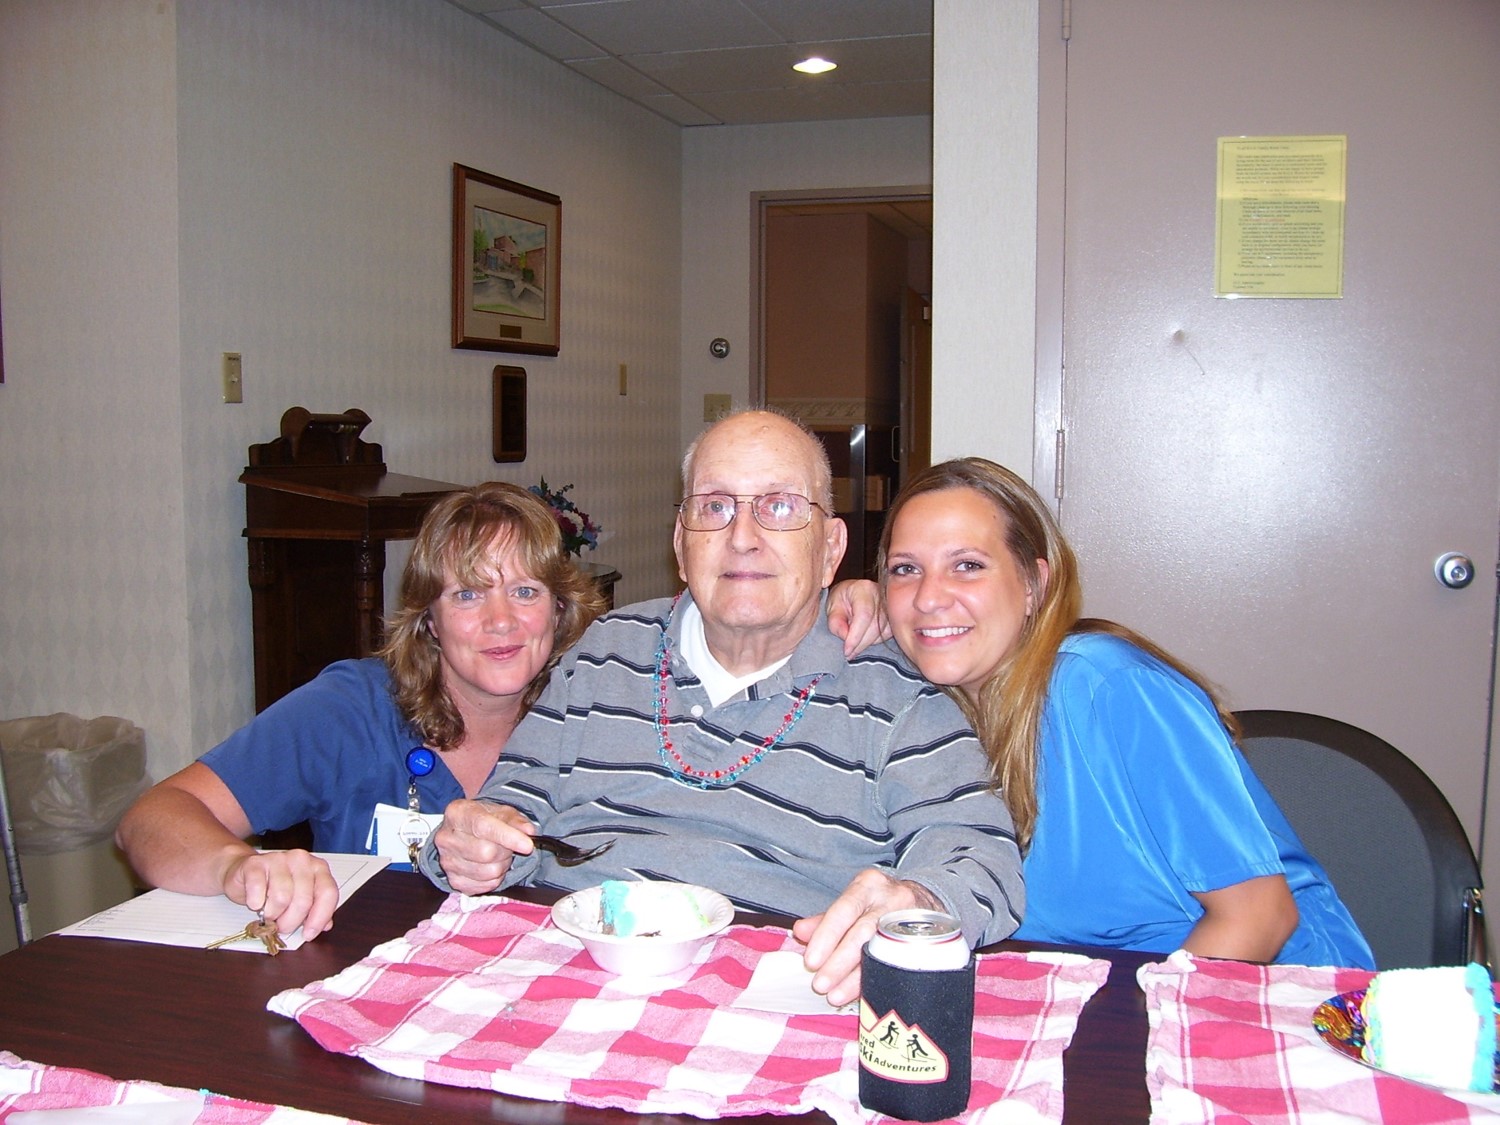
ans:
(880, 770)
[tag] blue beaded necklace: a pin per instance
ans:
(710, 779)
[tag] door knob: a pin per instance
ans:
(1454, 570)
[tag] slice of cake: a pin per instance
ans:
(1433, 1025)
(641, 909)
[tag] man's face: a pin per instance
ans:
(752, 585)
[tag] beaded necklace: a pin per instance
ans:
(711, 779)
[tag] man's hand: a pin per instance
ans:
(477, 841)
(854, 614)
(291, 888)
(836, 938)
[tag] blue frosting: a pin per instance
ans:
(1477, 981)
(615, 916)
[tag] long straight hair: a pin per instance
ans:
(1007, 715)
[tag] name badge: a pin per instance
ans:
(398, 833)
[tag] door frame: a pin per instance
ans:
(1048, 442)
(763, 201)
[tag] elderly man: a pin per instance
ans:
(722, 737)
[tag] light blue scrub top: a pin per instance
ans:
(1144, 799)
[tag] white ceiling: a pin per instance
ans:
(728, 62)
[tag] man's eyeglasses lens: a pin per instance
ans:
(774, 511)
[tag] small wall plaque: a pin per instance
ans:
(508, 426)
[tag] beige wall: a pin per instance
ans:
(984, 238)
(93, 567)
(722, 168)
(273, 178)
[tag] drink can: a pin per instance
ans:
(916, 1017)
(920, 939)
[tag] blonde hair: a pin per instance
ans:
(1007, 715)
(455, 539)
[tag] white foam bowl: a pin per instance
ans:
(641, 955)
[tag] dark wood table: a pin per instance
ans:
(197, 1019)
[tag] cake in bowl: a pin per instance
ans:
(643, 927)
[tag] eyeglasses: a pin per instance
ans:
(774, 511)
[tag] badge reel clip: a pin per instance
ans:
(420, 762)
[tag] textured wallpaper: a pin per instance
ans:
(92, 567)
(274, 178)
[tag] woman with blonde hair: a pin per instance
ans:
(1141, 823)
(372, 751)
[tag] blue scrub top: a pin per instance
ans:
(328, 752)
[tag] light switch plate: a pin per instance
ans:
(715, 407)
(234, 377)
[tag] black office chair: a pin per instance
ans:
(1383, 831)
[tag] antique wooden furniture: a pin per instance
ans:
(319, 508)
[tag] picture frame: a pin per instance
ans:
(507, 259)
(508, 420)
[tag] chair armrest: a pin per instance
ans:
(1476, 939)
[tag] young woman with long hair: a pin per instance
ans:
(1141, 823)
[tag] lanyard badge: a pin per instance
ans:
(420, 762)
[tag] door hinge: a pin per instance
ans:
(1067, 20)
(1060, 458)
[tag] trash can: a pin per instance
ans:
(69, 781)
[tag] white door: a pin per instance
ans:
(1263, 485)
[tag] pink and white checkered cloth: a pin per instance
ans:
(1233, 1042)
(32, 1086)
(488, 993)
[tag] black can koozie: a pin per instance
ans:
(916, 1039)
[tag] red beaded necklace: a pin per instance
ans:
(711, 779)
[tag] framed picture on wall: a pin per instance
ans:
(507, 242)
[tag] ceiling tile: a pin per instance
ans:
(620, 78)
(675, 109)
(845, 19)
(710, 62)
(891, 99)
(827, 104)
(481, 7)
(625, 27)
(545, 34)
(760, 68)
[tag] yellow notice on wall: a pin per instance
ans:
(1280, 221)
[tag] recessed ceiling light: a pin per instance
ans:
(815, 65)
